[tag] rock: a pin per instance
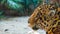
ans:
(33, 32)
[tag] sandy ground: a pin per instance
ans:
(17, 25)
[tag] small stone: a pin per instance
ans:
(6, 29)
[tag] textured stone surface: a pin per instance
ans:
(17, 25)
